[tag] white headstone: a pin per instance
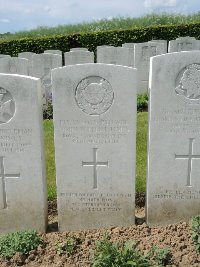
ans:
(27, 55)
(114, 55)
(14, 65)
(102, 46)
(183, 44)
(163, 42)
(42, 64)
(2, 56)
(55, 52)
(23, 200)
(142, 54)
(51, 61)
(173, 184)
(130, 46)
(37, 70)
(78, 49)
(78, 57)
(94, 124)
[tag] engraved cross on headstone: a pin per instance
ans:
(95, 164)
(189, 157)
(3, 178)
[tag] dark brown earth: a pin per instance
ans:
(177, 237)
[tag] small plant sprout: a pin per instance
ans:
(22, 241)
(68, 246)
(195, 225)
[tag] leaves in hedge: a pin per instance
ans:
(94, 39)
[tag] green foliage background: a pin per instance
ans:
(94, 39)
(117, 23)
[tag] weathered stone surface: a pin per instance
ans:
(114, 55)
(78, 49)
(51, 61)
(42, 64)
(173, 184)
(102, 46)
(142, 54)
(94, 124)
(52, 51)
(27, 55)
(14, 65)
(163, 42)
(130, 46)
(183, 44)
(2, 56)
(78, 56)
(23, 200)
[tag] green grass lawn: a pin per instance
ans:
(50, 158)
(141, 155)
(141, 151)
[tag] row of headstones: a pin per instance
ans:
(40, 65)
(138, 55)
(135, 55)
(95, 145)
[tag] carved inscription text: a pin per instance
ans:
(95, 202)
(94, 131)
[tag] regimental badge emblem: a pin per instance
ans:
(94, 95)
(7, 106)
(188, 84)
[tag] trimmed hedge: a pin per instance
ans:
(92, 40)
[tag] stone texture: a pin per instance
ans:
(130, 46)
(23, 200)
(2, 56)
(78, 49)
(94, 124)
(114, 55)
(51, 61)
(173, 184)
(142, 54)
(37, 70)
(42, 64)
(163, 42)
(14, 65)
(102, 46)
(78, 56)
(183, 44)
(27, 55)
(52, 51)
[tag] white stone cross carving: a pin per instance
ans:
(189, 157)
(3, 177)
(95, 164)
